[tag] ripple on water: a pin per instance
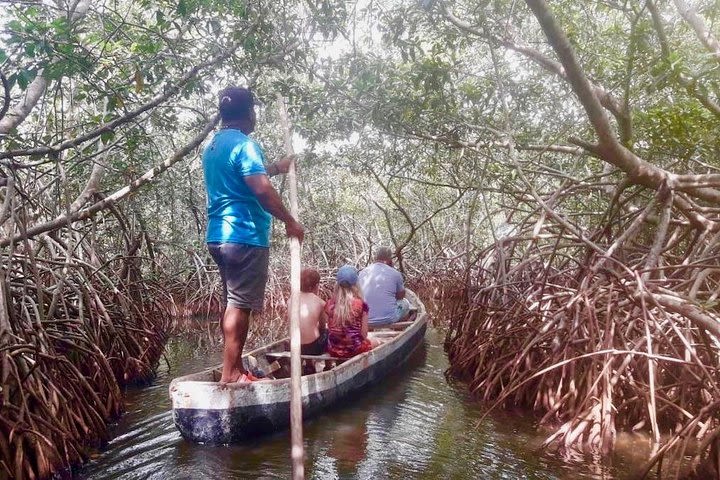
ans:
(413, 425)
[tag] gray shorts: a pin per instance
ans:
(244, 273)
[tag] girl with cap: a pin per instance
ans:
(347, 315)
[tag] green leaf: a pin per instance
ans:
(249, 43)
(107, 137)
(54, 70)
(114, 102)
(3, 55)
(60, 25)
(22, 83)
(15, 25)
(182, 8)
(25, 77)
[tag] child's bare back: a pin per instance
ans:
(311, 316)
(313, 334)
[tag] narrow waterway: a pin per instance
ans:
(414, 425)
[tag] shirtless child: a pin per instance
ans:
(313, 331)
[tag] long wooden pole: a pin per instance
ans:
(296, 435)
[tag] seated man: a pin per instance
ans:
(383, 289)
(313, 332)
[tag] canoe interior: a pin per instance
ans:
(207, 411)
(272, 361)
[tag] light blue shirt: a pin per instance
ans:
(380, 283)
(234, 213)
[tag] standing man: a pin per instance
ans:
(241, 202)
(383, 289)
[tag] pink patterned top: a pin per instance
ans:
(346, 341)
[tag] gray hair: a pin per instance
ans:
(382, 254)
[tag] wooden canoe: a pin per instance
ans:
(206, 411)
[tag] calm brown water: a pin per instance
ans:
(414, 425)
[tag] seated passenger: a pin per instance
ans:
(347, 316)
(384, 291)
(313, 331)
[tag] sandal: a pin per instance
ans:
(247, 377)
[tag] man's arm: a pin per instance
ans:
(270, 200)
(400, 287)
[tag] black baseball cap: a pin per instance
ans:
(235, 103)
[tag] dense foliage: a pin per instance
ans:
(442, 128)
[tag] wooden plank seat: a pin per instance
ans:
(412, 316)
(305, 357)
(310, 363)
(391, 326)
(384, 333)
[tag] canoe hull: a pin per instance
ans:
(320, 392)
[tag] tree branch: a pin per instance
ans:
(19, 112)
(6, 95)
(37, 87)
(110, 200)
(700, 318)
(552, 66)
(109, 126)
(687, 83)
(609, 148)
(701, 30)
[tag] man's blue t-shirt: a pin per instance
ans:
(234, 213)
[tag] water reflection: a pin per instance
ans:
(356, 438)
(348, 445)
(414, 425)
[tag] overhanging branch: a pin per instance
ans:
(112, 199)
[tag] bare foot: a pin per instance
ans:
(245, 377)
(234, 377)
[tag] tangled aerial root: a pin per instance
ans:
(71, 334)
(600, 332)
